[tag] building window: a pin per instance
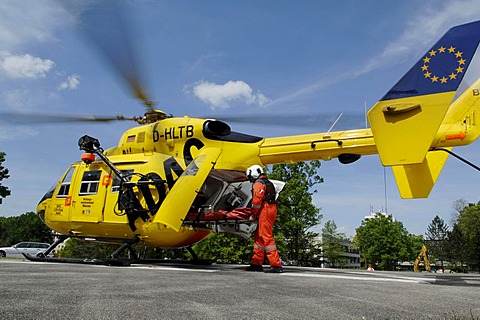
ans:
(90, 182)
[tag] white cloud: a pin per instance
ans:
(24, 66)
(219, 96)
(71, 83)
(418, 35)
(29, 21)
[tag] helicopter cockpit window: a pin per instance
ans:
(90, 182)
(65, 185)
(116, 179)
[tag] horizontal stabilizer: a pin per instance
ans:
(417, 180)
(405, 121)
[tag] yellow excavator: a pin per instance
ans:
(422, 254)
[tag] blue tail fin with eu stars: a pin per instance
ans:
(404, 122)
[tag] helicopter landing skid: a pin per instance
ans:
(117, 262)
(114, 259)
(108, 262)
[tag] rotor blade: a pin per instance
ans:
(290, 120)
(105, 23)
(35, 118)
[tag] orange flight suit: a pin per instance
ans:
(266, 214)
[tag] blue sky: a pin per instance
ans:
(220, 57)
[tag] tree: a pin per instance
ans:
(332, 243)
(296, 212)
(76, 248)
(437, 238)
(26, 227)
(457, 208)
(386, 242)
(224, 248)
(469, 223)
(4, 191)
(457, 249)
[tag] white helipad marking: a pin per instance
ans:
(136, 266)
(165, 268)
(360, 278)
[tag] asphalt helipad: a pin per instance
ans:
(32, 290)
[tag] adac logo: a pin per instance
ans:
(448, 59)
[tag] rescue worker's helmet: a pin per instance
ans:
(254, 172)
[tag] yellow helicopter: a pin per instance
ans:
(160, 185)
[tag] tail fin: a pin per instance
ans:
(404, 122)
(417, 180)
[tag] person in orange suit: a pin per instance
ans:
(264, 209)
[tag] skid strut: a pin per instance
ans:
(127, 245)
(114, 259)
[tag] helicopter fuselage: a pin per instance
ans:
(88, 200)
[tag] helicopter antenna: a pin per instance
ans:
(366, 120)
(334, 123)
(385, 187)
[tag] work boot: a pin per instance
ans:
(274, 270)
(254, 267)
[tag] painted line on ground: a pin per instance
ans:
(361, 278)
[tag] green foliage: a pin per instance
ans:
(26, 227)
(296, 212)
(4, 191)
(457, 249)
(76, 248)
(331, 244)
(385, 242)
(469, 224)
(437, 239)
(224, 248)
(162, 254)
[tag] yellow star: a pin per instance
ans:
(434, 79)
(424, 68)
(441, 49)
(432, 53)
(453, 76)
(427, 74)
(451, 49)
(461, 61)
(459, 70)
(458, 54)
(443, 80)
(426, 60)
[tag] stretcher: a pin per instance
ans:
(236, 221)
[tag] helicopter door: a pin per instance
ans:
(89, 194)
(180, 198)
(62, 200)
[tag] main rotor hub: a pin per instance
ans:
(152, 116)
